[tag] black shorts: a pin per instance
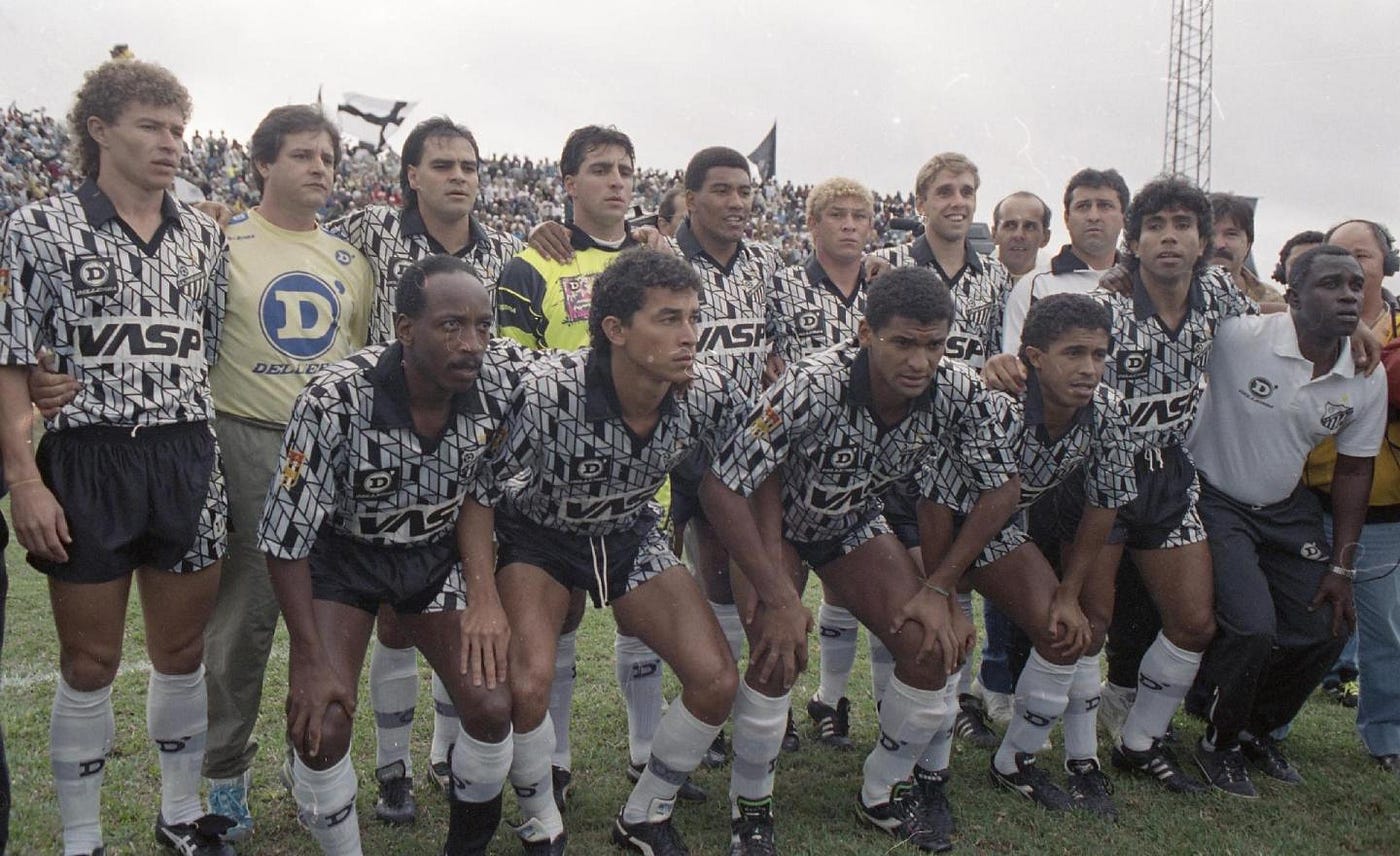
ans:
(606, 566)
(818, 554)
(901, 501)
(411, 579)
(149, 497)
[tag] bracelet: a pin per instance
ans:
(14, 485)
(939, 589)
(1348, 573)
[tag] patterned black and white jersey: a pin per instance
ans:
(813, 313)
(979, 294)
(569, 462)
(1158, 371)
(1097, 445)
(352, 460)
(392, 239)
(738, 324)
(816, 428)
(136, 323)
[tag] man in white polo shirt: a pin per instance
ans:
(1279, 385)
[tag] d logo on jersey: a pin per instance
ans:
(808, 322)
(1132, 364)
(397, 265)
(372, 483)
(94, 277)
(300, 315)
(588, 469)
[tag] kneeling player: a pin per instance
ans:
(1065, 426)
(818, 450)
(374, 469)
(589, 439)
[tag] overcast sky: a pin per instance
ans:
(1307, 110)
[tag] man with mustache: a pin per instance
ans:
(1231, 242)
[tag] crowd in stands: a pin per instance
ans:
(516, 192)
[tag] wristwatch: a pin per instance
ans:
(1349, 573)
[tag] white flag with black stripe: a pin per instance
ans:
(371, 120)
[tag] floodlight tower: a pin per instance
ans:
(1186, 148)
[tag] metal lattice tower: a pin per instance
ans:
(1186, 149)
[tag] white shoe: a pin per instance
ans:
(1114, 704)
(999, 706)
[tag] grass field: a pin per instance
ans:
(1346, 805)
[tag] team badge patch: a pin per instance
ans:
(1133, 364)
(1335, 415)
(291, 473)
(4, 282)
(765, 422)
(588, 469)
(93, 276)
(373, 483)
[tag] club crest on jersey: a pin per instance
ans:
(374, 483)
(1133, 364)
(765, 422)
(291, 472)
(94, 277)
(4, 282)
(300, 315)
(192, 281)
(1335, 415)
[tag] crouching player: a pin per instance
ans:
(374, 468)
(1065, 426)
(817, 451)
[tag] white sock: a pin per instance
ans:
(479, 769)
(839, 631)
(1081, 715)
(561, 698)
(1041, 695)
(445, 722)
(1164, 678)
(881, 667)
(759, 724)
(681, 741)
(638, 670)
(533, 785)
(393, 693)
(728, 616)
(81, 730)
(909, 718)
(939, 751)
(326, 805)
(177, 720)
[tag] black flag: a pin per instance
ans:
(765, 157)
(372, 120)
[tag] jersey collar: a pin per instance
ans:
(391, 408)
(1035, 403)
(99, 210)
(581, 240)
(1068, 261)
(922, 254)
(411, 225)
(690, 245)
(1144, 308)
(817, 275)
(1285, 340)
(600, 399)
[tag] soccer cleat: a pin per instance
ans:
(791, 742)
(751, 833)
(902, 818)
(690, 792)
(201, 837)
(971, 724)
(654, 838)
(1159, 763)
(1224, 769)
(442, 774)
(1266, 755)
(395, 804)
(1114, 704)
(229, 797)
(1032, 783)
(832, 724)
(1090, 788)
(718, 753)
(471, 826)
(556, 846)
(931, 792)
(1344, 693)
(1389, 763)
(562, 782)
(999, 706)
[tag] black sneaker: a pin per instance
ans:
(718, 753)
(395, 804)
(1224, 769)
(1344, 692)
(556, 846)
(931, 792)
(751, 833)
(1157, 762)
(972, 725)
(1264, 753)
(471, 826)
(791, 742)
(832, 724)
(562, 782)
(200, 837)
(690, 792)
(1090, 788)
(1032, 783)
(655, 838)
(901, 818)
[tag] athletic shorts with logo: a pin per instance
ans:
(410, 578)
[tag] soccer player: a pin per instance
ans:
(299, 299)
(372, 474)
(127, 287)
(440, 182)
(1020, 229)
(1067, 425)
(816, 453)
(590, 437)
(1279, 384)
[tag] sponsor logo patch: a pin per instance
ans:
(94, 277)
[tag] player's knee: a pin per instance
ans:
(88, 671)
(529, 689)
(391, 634)
(487, 717)
(336, 731)
(1194, 630)
(713, 689)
